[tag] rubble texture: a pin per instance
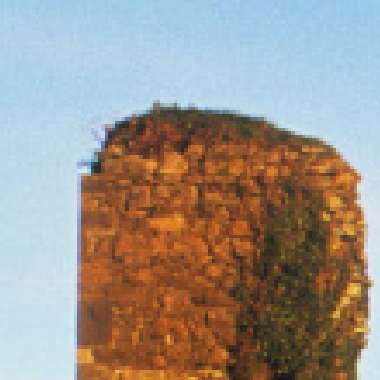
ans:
(217, 246)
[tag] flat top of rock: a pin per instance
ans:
(176, 125)
(190, 120)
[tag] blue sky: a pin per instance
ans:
(69, 66)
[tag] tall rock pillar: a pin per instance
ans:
(217, 246)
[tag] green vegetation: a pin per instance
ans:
(293, 253)
(295, 330)
(95, 165)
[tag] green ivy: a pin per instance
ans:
(294, 249)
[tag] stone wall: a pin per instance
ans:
(216, 246)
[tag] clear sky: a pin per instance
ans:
(69, 66)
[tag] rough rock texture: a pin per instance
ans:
(216, 246)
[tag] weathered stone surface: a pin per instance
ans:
(219, 247)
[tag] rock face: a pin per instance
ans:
(216, 246)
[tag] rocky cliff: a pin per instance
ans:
(217, 246)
